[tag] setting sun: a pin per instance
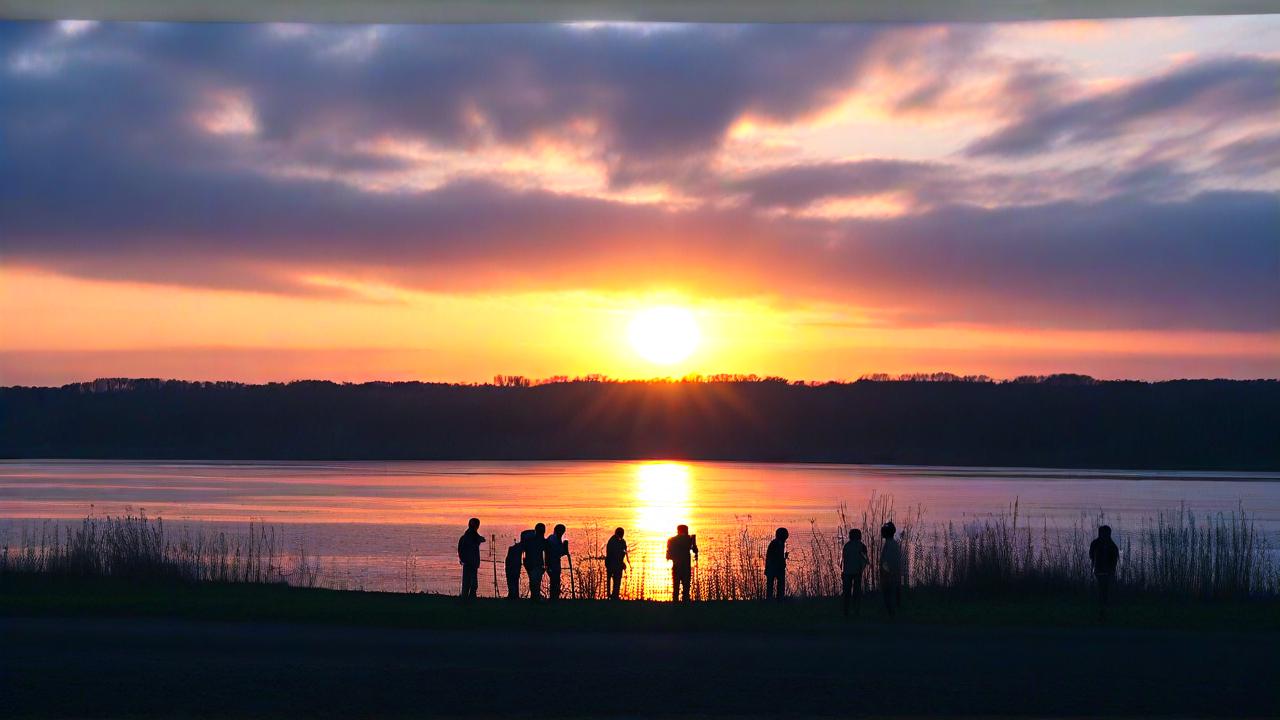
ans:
(664, 335)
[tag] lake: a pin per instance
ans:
(394, 525)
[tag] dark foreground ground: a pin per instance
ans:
(95, 658)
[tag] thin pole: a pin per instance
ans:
(573, 582)
(493, 558)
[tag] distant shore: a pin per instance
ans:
(1059, 421)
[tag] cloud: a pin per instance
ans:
(650, 100)
(1206, 91)
(169, 154)
(1209, 262)
(1250, 156)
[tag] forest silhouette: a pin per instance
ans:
(939, 419)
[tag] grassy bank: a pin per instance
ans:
(44, 595)
(1177, 554)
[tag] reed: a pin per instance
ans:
(1177, 554)
(141, 548)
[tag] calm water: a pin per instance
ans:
(394, 525)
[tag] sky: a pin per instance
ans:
(277, 202)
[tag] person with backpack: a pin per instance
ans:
(775, 565)
(854, 563)
(533, 545)
(557, 548)
(1104, 554)
(615, 560)
(469, 558)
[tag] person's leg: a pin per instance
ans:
(886, 590)
(553, 584)
(535, 584)
(846, 585)
(615, 584)
(857, 595)
(768, 587)
(513, 587)
(782, 585)
(470, 580)
(685, 577)
(1104, 592)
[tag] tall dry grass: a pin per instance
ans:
(1177, 553)
(141, 548)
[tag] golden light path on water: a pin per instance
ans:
(663, 498)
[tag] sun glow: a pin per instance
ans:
(662, 499)
(664, 335)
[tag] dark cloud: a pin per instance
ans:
(1216, 90)
(1209, 262)
(105, 173)
(1249, 157)
(651, 99)
(927, 185)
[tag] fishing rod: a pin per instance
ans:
(493, 558)
(573, 581)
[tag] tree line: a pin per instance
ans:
(938, 419)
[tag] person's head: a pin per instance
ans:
(682, 529)
(619, 532)
(540, 529)
(887, 531)
(781, 533)
(474, 523)
(560, 528)
(855, 534)
(1104, 532)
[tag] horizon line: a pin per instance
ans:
(523, 382)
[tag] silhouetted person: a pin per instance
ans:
(469, 558)
(557, 547)
(533, 545)
(1104, 554)
(775, 565)
(853, 563)
(615, 559)
(678, 549)
(513, 570)
(890, 568)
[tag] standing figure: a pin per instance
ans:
(557, 547)
(890, 568)
(615, 559)
(1104, 554)
(853, 563)
(775, 565)
(513, 571)
(678, 549)
(533, 545)
(469, 558)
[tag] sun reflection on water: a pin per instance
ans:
(663, 499)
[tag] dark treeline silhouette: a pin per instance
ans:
(939, 419)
